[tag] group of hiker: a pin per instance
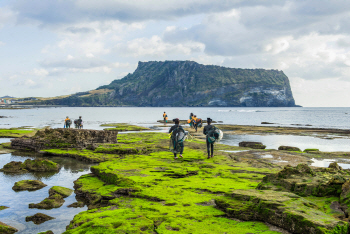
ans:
(78, 123)
(178, 135)
(194, 121)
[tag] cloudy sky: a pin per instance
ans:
(58, 47)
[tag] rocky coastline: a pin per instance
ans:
(137, 186)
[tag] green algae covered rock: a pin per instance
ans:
(54, 201)
(288, 148)
(6, 229)
(253, 145)
(306, 181)
(14, 167)
(38, 218)
(40, 165)
(64, 192)
(123, 127)
(4, 207)
(30, 165)
(29, 185)
(47, 232)
(283, 209)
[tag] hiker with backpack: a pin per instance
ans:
(177, 139)
(213, 134)
(194, 122)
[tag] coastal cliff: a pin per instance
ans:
(187, 83)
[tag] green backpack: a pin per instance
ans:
(213, 134)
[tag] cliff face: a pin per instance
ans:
(187, 83)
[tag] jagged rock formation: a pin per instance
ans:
(187, 83)
(64, 138)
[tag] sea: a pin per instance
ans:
(71, 169)
(93, 117)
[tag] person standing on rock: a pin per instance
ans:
(194, 121)
(177, 139)
(80, 123)
(190, 119)
(210, 144)
(67, 122)
(165, 117)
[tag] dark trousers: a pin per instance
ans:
(180, 147)
(210, 146)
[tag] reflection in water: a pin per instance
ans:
(71, 169)
(302, 142)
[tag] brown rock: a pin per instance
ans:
(64, 138)
(335, 166)
(38, 218)
(29, 185)
(14, 167)
(288, 148)
(251, 144)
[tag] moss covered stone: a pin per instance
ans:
(283, 209)
(14, 167)
(47, 232)
(16, 132)
(29, 185)
(305, 181)
(288, 148)
(123, 127)
(51, 202)
(39, 218)
(40, 165)
(64, 192)
(6, 229)
(4, 207)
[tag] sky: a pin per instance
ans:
(59, 47)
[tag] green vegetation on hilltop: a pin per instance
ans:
(187, 83)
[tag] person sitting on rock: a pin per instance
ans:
(210, 145)
(177, 139)
(67, 122)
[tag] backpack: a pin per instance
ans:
(69, 122)
(178, 135)
(213, 134)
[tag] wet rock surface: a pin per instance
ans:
(64, 192)
(306, 181)
(39, 218)
(30, 165)
(251, 144)
(29, 185)
(283, 209)
(3, 207)
(77, 204)
(55, 201)
(288, 148)
(64, 138)
(47, 232)
(6, 229)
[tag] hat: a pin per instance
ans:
(209, 120)
(67, 117)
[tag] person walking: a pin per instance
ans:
(177, 139)
(194, 121)
(210, 143)
(190, 118)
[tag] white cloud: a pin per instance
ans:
(155, 47)
(2, 43)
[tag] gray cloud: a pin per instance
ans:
(79, 63)
(58, 12)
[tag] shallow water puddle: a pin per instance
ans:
(71, 169)
(326, 162)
